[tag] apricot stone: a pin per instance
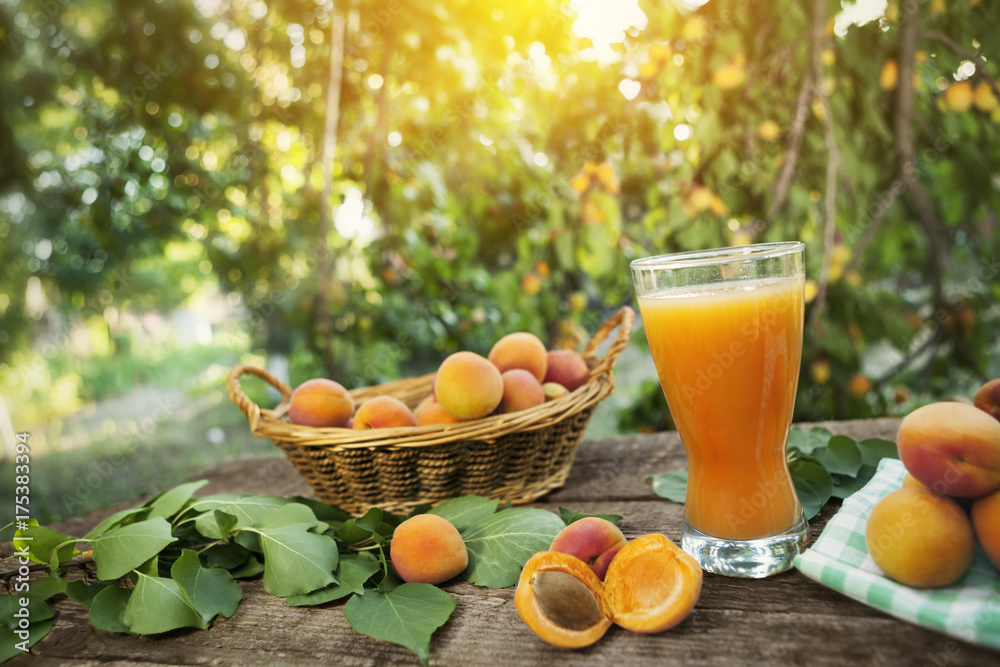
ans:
(920, 538)
(567, 368)
(468, 386)
(562, 600)
(433, 413)
(951, 448)
(986, 525)
(652, 584)
(427, 549)
(520, 350)
(383, 412)
(521, 390)
(320, 402)
(593, 540)
(987, 398)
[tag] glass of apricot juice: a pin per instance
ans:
(725, 330)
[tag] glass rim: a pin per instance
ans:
(715, 256)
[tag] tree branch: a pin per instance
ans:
(794, 146)
(968, 55)
(832, 161)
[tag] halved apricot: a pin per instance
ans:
(562, 600)
(652, 584)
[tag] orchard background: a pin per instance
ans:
(357, 189)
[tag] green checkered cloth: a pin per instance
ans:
(968, 609)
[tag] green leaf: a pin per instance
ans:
(43, 543)
(354, 571)
(813, 485)
(107, 609)
(323, 512)
(845, 486)
(569, 516)
(873, 450)
(38, 609)
(502, 543)
(407, 615)
(122, 549)
(216, 524)
(171, 502)
(83, 594)
(841, 456)
(369, 520)
(808, 441)
(120, 517)
(291, 514)
(247, 509)
(226, 556)
(159, 605)
(671, 485)
(47, 587)
(296, 561)
(9, 640)
(251, 568)
(211, 590)
(465, 511)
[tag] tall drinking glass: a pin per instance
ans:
(725, 330)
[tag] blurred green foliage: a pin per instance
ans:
(495, 171)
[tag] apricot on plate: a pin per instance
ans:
(468, 386)
(593, 540)
(562, 600)
(427, 549)
(383, 412)
(652, 584)
(520, 350)
(521, 390)
(951, 448)
(320, 402)
(986, 525)
(919, 538)
(567, 368)
(433, 413)
(987, 398)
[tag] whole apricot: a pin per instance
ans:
(986, 525)
(910, 482)
(433, 413)
(562, 600)
(427, 549)
(593, 540)
(987, 398)
(320, 402)
(520, 350)
(554, 390)
(919, 538)
(652, 584)
(951, 448)
(567, 368)
(521, 390)
(383, 412)
(468, 386)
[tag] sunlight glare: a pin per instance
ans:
(604, 23)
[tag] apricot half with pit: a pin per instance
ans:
(651, 585)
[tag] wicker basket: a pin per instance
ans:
(518, 456)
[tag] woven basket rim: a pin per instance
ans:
(273, 423)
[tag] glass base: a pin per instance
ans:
(751, 559)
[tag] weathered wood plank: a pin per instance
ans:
(787, 619)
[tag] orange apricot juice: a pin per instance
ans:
(728, 356)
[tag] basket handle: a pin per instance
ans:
(242, 401)
(624, 319)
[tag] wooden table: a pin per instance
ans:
(787, 619)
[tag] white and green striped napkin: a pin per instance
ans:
(968, 609)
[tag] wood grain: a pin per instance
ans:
(784, 620)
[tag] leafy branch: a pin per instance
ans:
(174, 562)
